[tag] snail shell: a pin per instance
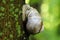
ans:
(34, 21)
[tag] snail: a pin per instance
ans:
(32, 19)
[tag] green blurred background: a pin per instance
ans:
(10, 27)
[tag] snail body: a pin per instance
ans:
(34, 22)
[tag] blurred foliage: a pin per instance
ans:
(10, 10)
(9, 24)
